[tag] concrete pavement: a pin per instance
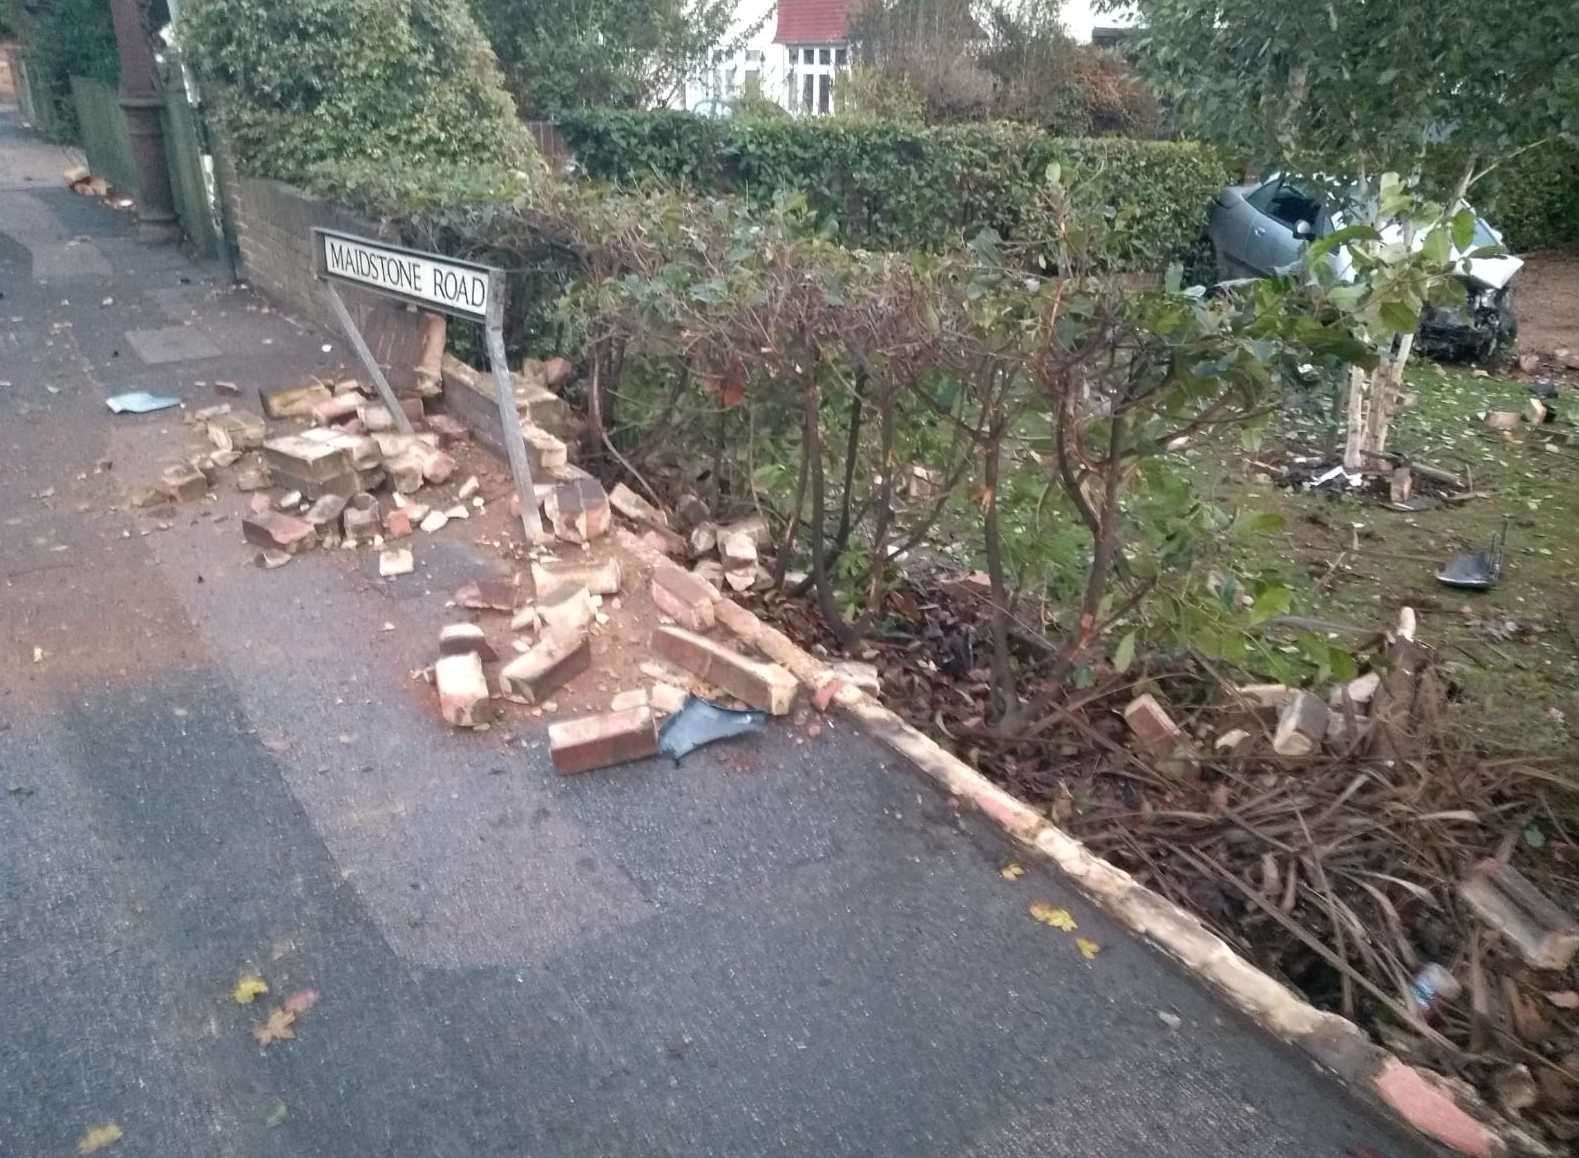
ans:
(789, 947)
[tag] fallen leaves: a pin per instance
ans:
(301, 1001)
(249, 989)
(276, 1028)
(98, 1137)
(1012, 871)
(1564, 999)
(1053, 916)
(1064, 921)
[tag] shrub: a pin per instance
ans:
(1534, 199)
(887, 185)
(70, 38)
(310, 81)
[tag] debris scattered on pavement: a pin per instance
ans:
(700, 722)
(1053, 916)
(393, 561)
(140, 402)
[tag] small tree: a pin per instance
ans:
(603, 53)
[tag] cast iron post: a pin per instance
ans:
(140, 98)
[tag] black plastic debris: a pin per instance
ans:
(1477, 570)
(700, 722)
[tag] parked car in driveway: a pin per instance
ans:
(1258, 230)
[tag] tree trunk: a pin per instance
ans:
(1005, 696)
(812, 399)
(851, 455)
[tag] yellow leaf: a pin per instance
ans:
(1056, 917)
(248, 989)
(1088, 948)
(1012, 871)
(98, 1138)
(276, 1028)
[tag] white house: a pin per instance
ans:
(790, 51)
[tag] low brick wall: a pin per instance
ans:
(273, 224)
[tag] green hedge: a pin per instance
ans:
(897, 186)
(1534, 199)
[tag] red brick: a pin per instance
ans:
(762, 685)
(578, 510)
(273, 529)
(555, 660)
(397, 523)
(684, 597)
(603, 740)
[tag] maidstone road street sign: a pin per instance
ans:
(424, 279)
(429, 281)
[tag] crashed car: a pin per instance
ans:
(1260, 229)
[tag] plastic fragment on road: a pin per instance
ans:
(700, 722)
(140, 402)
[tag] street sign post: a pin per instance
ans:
(461, 289)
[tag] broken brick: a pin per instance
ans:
(544, 451)
(254, 477)
(326, 511)
(1156, 734)
(490, 593)
(663, 542)
(603, 740)
(1301, 725)
(556, 659)
(363, 517)
(292, 401)
(239, 431)
(464, 638)
(336, 409)
(686, 598)
(739, 554)
(565, 607)
(305, 458)
(396, 561)
(463, 690)
(405, 472)
(275, 529)
(637, 509)
(557, 372)
(666, 698)
(762, 685)
(624, 701)
(183, 483)
(598, 578)
(397, 523)
(578, 510)
(825, 692)
(449, 430)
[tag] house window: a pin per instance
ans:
(811, 85)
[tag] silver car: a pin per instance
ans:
(1259, 230)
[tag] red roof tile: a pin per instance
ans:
(813, 22)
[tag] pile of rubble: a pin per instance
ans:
(553, 645)
(1377, 713)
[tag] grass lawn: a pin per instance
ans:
(1514, 650)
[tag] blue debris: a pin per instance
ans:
(140, 402)
(700, 722)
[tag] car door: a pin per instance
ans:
(1231, 227)
(1287, 215)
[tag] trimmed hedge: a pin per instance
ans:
(310, 82)
(884, 185)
